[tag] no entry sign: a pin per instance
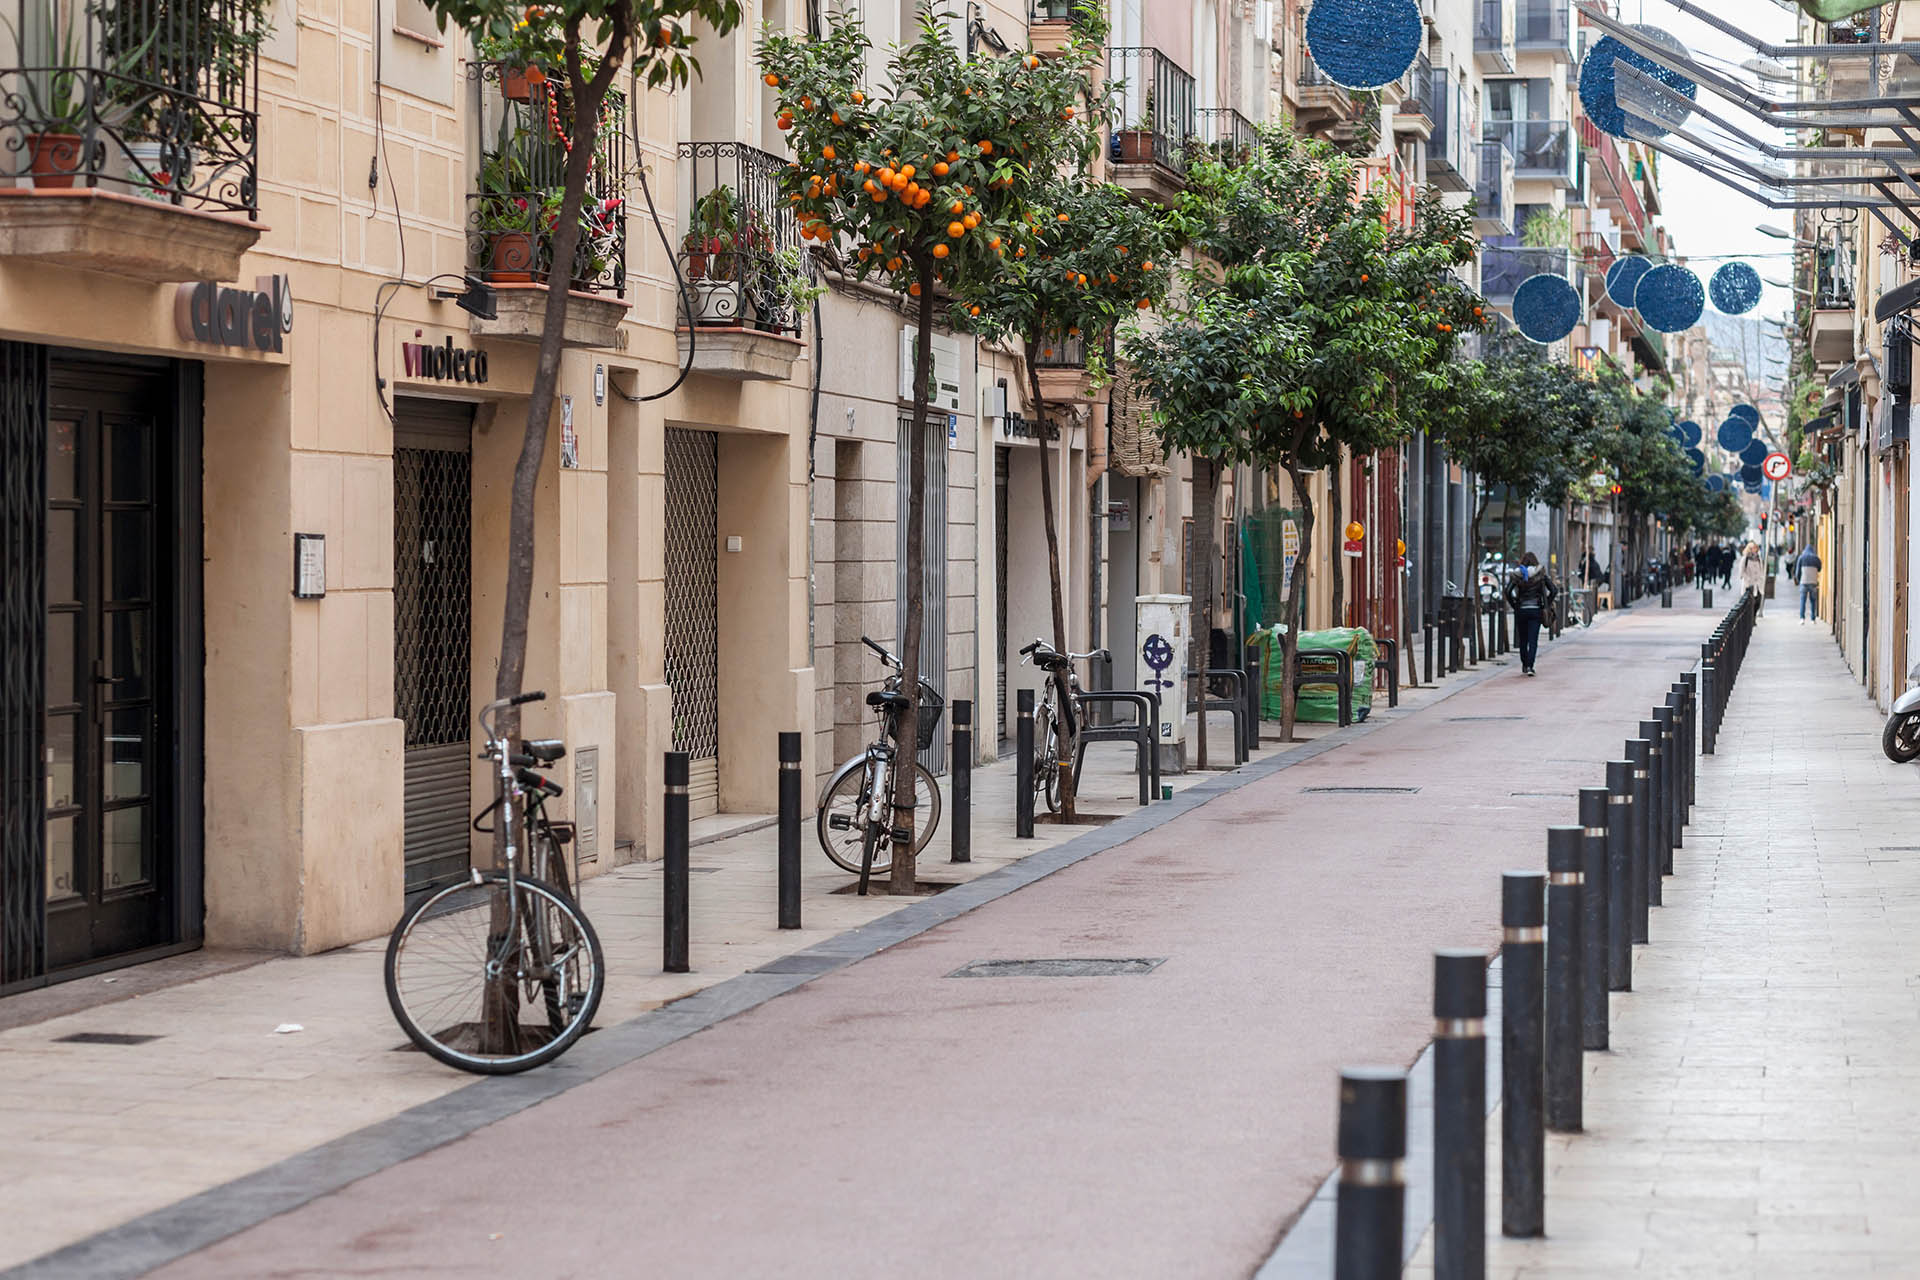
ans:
(1776, 466)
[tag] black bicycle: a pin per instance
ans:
(1047, 764)
(501, 971)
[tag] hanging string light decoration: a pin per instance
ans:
(1623, 277)
(1670, 298)
(1690, 433)
(1365, 44)
(1734, 434)
(1596, 81)
(1546, 307)
(1734, 288)
(1754, 453)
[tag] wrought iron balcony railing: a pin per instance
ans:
(152, 98)
(1226, 134)
(1156, 109)
(1062, 352)
(1541, 148)
(1312, 77)
(741, 249)
(511, 217)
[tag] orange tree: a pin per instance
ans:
(925, 185)
(1097, 257)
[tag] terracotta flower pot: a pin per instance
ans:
(510, 258)
(1135, 146)
(514, 84)
(55, 159)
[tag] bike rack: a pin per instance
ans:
(1143, 732)
(1341, 676)
(1235, 704)
(1392, 664)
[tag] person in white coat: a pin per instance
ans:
(1753, 574)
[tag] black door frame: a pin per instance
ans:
(181, 809)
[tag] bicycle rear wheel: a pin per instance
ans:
(554, 973)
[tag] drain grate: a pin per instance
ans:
(1543, 795)
(1468, 719)
(103, 1037)
(802, 962)
(703, 871)
(1358, 791)
(1089, 968)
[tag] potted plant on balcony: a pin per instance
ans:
(601, 230)
(1134, 145)
(791, 290)
(55, 106)
(713, 248)
(521, 56)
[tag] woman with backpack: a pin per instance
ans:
(1530, 592)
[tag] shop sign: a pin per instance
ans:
(444, 363)
(256, 319)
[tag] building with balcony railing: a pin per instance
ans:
(1414, 114)
(1493, 189)
(1320, 105)
(1450, 146)
(1504, 265)
(1542, 150)
(1544, 26)
(1493, 36)
(1155, 119)
(741, 249)
(1224, 134)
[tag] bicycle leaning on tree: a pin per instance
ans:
(855, 823)
(1047, 764)
(501, 971)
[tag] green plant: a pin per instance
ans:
(164, 56)
(794, 287)
(55, 82)
(1547, 229)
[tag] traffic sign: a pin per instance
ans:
(1776, 466)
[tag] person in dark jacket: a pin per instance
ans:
(1530, 592)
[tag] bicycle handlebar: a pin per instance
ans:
(880, 649)
(1030, 648)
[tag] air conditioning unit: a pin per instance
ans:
(945, 393)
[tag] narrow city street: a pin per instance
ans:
(888, 1116)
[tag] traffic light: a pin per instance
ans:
(1763, 523)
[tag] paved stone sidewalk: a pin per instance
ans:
(99, 1134)
(1755, 1117)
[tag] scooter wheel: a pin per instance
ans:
(1901, 738)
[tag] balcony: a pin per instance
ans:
(1052, 24)
(1544, 26)
(1061, 366)
(1542, 149)
(1414, 115)
(1598, 249)
(1155, 120)
(129, 137)
(1319, 104)
(742, 261)
(1224, 134)
(1504, 266)
(510, 218)
(1613, 186)
(1449, 144)
(1493, 190)
(1493, 37)
(1650, 350)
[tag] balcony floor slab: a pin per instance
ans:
(123, 235)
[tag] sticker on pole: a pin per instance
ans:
(1776, 466)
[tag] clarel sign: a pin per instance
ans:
(256, 319)
(445, 363)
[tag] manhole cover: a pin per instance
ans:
(1057, 968)
(103, 1037)
(1358, 791)
(801, 962)
(1467, 719)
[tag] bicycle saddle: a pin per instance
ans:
(545, 750)
(885, 698)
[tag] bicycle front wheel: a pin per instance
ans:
(551, 976)
(842, 820)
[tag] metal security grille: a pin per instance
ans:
(23, 426)
(933, 608)
(433, 633)
(1002, 479)
(693, 607)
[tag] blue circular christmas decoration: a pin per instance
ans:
(1546, 307)
(1690, 433)
(1716, 483)
(1597, 87)
(1750, 474)
(1735, 288)
(1746, 413)
(1733, 435)
(1623, 277)
(1669, 298)
(1698, 459)
(1754, 453)
(1365, 44)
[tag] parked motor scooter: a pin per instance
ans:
(1901, 738)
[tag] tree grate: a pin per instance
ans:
(1069, 968)
(103, 1037)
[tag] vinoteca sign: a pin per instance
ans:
(444, 363)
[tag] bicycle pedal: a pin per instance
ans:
(839, 822)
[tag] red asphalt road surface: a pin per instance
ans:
(886, 1121)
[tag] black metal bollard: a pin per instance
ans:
(1501, 640)
(1255, 684)
(1706, 597)
(961, 832)
(1566, 988)
(1689, 744)
(1666, 597)
(1370, 1211)
(1595, 918)
(1459, 1115)
(1656, 818)
(1640, 752)
(1426, 644)
(1523, 1139)
(674, 881)
(1707, 676)
(1621, 820)
(1023, 767)
(789, 831)
(1666, 716)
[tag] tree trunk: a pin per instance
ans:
(1482, 496)
(501, 1031)
(1336, 518)
(1206, 480)
(1290, 611)
(1065, 722)
(905, 873)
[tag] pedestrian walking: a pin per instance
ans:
(1807, 571)
(1531, 593)
(1752, 574)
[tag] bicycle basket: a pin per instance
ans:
(931, 706)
